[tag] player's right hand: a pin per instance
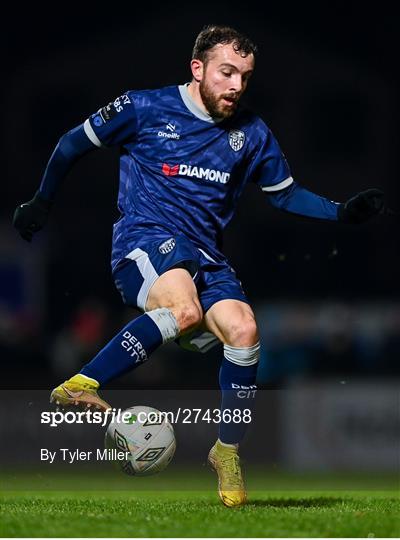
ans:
(31, 216)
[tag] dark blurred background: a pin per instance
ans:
(326, 295)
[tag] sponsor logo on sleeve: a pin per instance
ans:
(108, 112)
(97, 120)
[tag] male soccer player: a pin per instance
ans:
(187, 153)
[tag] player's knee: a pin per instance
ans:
(242, 333)
(188, 316)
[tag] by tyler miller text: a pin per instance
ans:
(73, 456)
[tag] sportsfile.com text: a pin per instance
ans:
(183, 415)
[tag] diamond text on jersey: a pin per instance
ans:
(199, 172)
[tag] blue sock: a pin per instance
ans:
(238, 384)
(132, 345)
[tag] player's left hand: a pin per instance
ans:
(362, 206)
(30, 217)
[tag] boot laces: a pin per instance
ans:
(232, 471)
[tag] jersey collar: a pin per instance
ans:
(193, 107)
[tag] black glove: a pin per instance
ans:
(362, 206)
(31, 216)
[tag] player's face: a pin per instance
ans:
(224, 79)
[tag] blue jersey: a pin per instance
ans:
(182, 171)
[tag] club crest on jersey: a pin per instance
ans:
(167, 246)
(236, 139)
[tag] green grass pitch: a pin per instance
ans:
(185, 504)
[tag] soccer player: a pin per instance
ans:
(186, 154)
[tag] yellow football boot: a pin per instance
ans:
(79, 391)
(224, 459)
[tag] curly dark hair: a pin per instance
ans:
(213, 34)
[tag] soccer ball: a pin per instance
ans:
(145, 436)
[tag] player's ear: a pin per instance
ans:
(197, 67)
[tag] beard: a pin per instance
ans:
(215, 104)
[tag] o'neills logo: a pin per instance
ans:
(198, 172)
